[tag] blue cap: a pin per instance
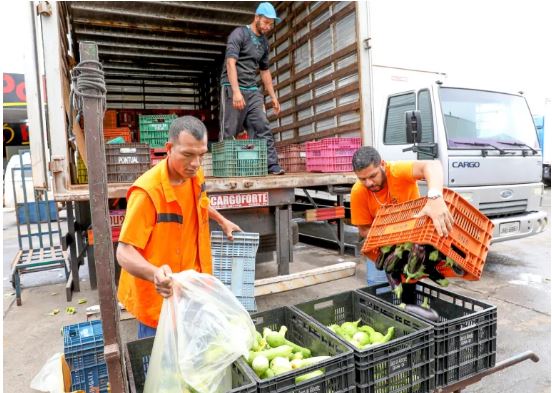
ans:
(268, 11)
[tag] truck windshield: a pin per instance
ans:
(482, 117)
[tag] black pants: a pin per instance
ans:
(252, 118)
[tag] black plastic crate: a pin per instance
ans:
(339, 370)
(465, 336)
(137, 357)
(402, 365)
(126, 161)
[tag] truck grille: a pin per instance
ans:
(504, 208)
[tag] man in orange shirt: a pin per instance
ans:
(381, 183)
(166, 226)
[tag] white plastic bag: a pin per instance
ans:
(50, 376)
(202, 330)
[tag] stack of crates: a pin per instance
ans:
(234, 264)
(292, 158)
(154, 129)
(83, 347)
(110, 119)
(240, 158)
(126, 162)
(331, 154)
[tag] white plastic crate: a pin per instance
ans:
(234, 264)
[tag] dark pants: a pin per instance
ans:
(145, 331)
(252, 118)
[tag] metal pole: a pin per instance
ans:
(93, 108)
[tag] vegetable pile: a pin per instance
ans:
(363, 336)
(273, 354)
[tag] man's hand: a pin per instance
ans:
(163, 281)
(228, 227)
(238, 102)
(275, 105)
(437, 210)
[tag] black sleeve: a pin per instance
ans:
(234, 43)
(263, 63)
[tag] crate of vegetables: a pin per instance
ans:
(466, 246)
(293, 354)
(465, 329)
(137, 357)
(393, 351)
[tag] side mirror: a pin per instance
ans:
(413, 126)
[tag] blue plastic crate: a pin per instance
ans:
(83, 346)
(83, 336)
(245, 244)
(90, 379)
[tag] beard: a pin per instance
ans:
(380, 186)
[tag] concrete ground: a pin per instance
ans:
(516, 279)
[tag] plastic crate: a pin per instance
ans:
(157, 155)
(110, 119)
(82, 171)
(240, 158)
(207, 165)
(467, 244)
(339, 370)
(137, 356)
(234, 264)
(126, 162)
(41, 211)
(292, 158)
(83, 347)
(404, 364)
(154, 129)
(112, 133)
(331, 154)
(465, 336)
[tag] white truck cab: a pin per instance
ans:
(487, 144)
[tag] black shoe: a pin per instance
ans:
(276, 170)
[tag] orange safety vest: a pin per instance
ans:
(139, 296)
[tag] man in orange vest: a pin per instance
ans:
(166, 227)
(380, 183)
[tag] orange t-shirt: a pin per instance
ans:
(401, 187)
(140, 219)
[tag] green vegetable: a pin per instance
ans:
(298, 355)
(280, 365)
(367, 328)
(299, 363)
(260, 365)
(425, 304)
(281, 351)
(449, 262)
(350, 328)
(378, 338)
(275, 339)
(268, 374)
(362, 338)
(307, 376)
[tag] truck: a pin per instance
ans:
(167, 56)
(542, 125)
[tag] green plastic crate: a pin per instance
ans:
(154, 129)
(232, 158)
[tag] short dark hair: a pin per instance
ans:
(190, 124)
(364, 157)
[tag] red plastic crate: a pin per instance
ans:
(467, 244)
(111, 133)
(110, 119)
(331, 154)
(292, 158)
(157, 155)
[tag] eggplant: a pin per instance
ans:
(418, 311)
(384, 252)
